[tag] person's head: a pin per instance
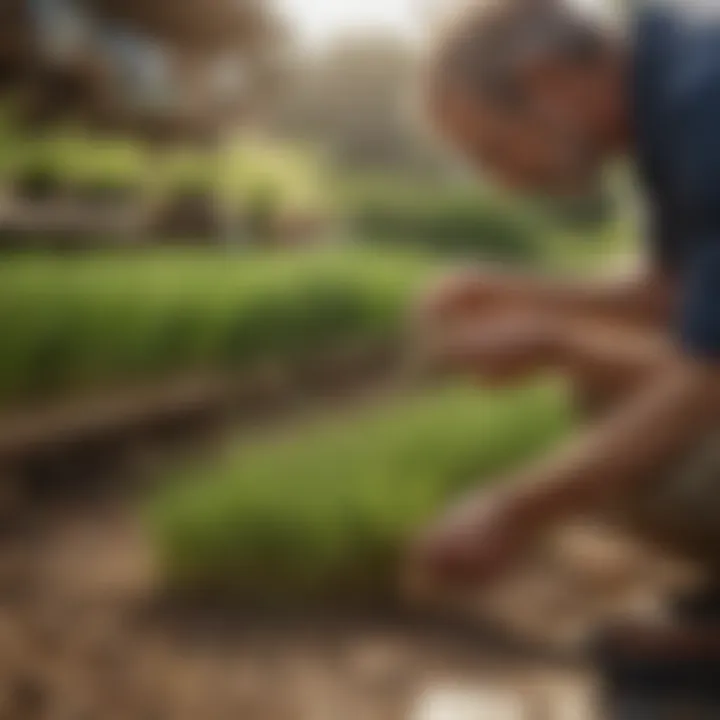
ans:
(530, 90)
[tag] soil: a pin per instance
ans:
(84, 635)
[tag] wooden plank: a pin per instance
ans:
(27, 431)
(54, 217)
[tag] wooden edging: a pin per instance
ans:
(28, 432)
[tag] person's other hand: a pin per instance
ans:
(501, 349)
(473, 544)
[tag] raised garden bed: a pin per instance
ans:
(109, 320)
(100, 347)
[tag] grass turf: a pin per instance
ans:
(328, 509)
(82, 323)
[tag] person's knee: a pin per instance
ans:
(680, 511)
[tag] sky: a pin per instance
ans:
(319, 19)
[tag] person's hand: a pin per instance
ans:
(500, 349)
(456, 297)
(473, 544)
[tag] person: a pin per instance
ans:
(541, 96)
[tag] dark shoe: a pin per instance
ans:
(699, 608)
(644, 667)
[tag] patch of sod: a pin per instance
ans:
(81, 323)
(327, 510)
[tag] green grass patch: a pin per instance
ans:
(326, 511)
(69, 324)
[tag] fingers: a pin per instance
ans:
(465, 322)
(448, 570)
(501, 349)
(459, 553)
(458, 296)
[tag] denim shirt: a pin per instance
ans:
(676, 105)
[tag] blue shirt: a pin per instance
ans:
(676, 94)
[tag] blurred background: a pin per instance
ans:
(215, 216)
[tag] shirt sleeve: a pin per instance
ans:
(664, 240)
(700, 301)
(697, 165)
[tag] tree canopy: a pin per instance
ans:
(166, 69)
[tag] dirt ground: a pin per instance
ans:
(83, 636)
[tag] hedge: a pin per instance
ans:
(449, 220)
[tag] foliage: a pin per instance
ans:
(186, 172)
(257, 182)
(84, 322)
(326, 511)
(99, 164)
(8, 141)
(33, 167)
(450, 219)
(248, 178)
(69, 161)
(96, 61)
(290, 178)
(356, 97)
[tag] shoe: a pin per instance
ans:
(657, 666)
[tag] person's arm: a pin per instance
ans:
(487, 531)
(644, 298)
(672, 407)
(670, 411)
(664, 419)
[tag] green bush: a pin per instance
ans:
(326, 511)
(46, 165)
(186, 172)
(266, 185)
(36, 170)
(99, 168)
(296, 179)
(448, 220)
(83, 322)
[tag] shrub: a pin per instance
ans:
(100, 169)
(186, 172)
(274, 187)
(36, 171)
(67, 161)
(447, 220)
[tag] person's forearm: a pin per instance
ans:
(645, 299)
(611, 359)
(666, 416)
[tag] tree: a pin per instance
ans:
(356, 99)
(164, 68)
